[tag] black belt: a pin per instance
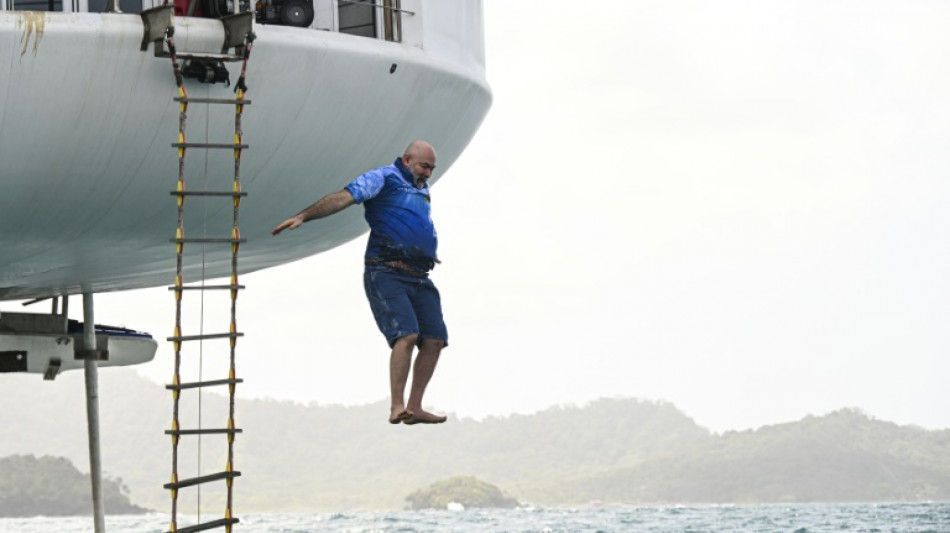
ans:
(403, 268)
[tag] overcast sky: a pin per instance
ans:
(738, 207)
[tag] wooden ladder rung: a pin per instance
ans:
(208, 193)
(192, 99)
(185, 338)
(206, 431)
(212, 383)
(190, 482)
(231, 146)
(207, 525)
(207, 240)
(207, 287)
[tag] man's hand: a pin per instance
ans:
(290, 223)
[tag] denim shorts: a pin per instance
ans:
(404, 305)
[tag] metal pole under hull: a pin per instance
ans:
(92, 411)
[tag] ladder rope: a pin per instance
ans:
(179, 234)
(240, 90)
(201, 314)
(234, 240)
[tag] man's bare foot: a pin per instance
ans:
(423, 417)
(398, 414)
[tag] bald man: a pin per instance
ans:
(400, 252)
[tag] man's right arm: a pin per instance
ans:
(326, 206)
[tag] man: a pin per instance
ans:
(399, 254)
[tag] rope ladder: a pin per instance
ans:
(179, 338)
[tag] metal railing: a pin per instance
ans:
(364, 21)
(379, 19)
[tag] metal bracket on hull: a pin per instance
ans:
(52, 369)
(236, 29)
(159, 22)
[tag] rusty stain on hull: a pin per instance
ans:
(33, 23)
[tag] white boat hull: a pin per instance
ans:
(88, 119)
(50, 352)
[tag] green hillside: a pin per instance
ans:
(317, 457)
(844, 456)
(51, 486)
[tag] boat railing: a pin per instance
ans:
(390, 11)
(379, 19)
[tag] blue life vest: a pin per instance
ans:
(399, 217)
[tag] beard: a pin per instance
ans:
(417, 179)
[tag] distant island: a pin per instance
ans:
(52, 486)
(297, 457)
(461, 492)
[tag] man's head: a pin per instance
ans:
(419, 159)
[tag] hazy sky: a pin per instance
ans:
(739, 207)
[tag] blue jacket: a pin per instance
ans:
(399, 217)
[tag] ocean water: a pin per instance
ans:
(797, 518)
